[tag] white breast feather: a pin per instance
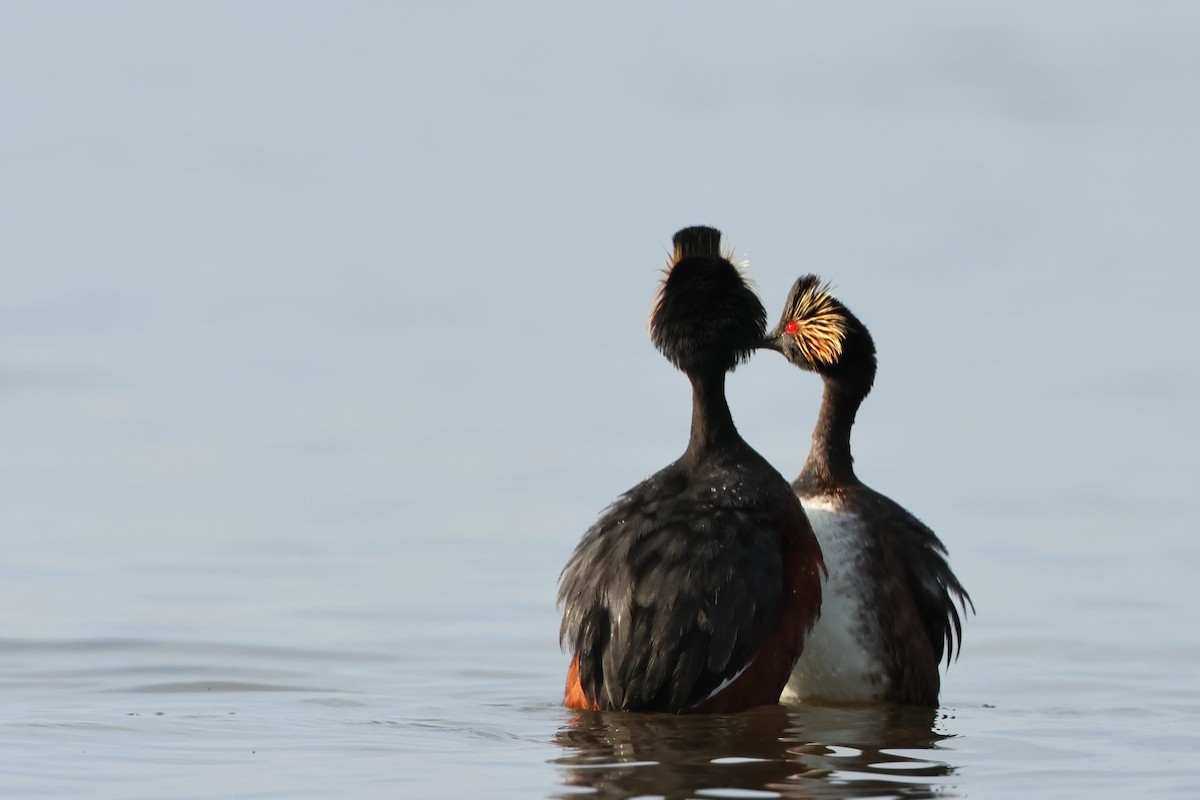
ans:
(841, 661)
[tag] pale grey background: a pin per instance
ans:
(322, 340)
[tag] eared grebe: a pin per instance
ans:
(694, 591)
(889, 596)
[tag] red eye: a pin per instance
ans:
(792, 327)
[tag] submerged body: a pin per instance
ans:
(888, 614)
(693, 592)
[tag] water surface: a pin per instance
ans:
(322, 341)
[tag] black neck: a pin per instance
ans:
(829, 463)
(712, 424)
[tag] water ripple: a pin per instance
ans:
(776, 752)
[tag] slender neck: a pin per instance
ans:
(829, 461)
(712, 424)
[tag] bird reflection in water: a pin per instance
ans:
(790, 752)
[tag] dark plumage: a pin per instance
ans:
(896, 594)
(694, 590)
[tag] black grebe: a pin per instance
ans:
(889, 596)
(694, 591)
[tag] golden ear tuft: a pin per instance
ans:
(820, 320)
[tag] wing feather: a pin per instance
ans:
(665, 600)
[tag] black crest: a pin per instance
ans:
(706, 317)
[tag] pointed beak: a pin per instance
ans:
(770, 343)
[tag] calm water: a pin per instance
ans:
(322, 340)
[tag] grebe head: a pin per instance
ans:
(819, 334)
(706, 317)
